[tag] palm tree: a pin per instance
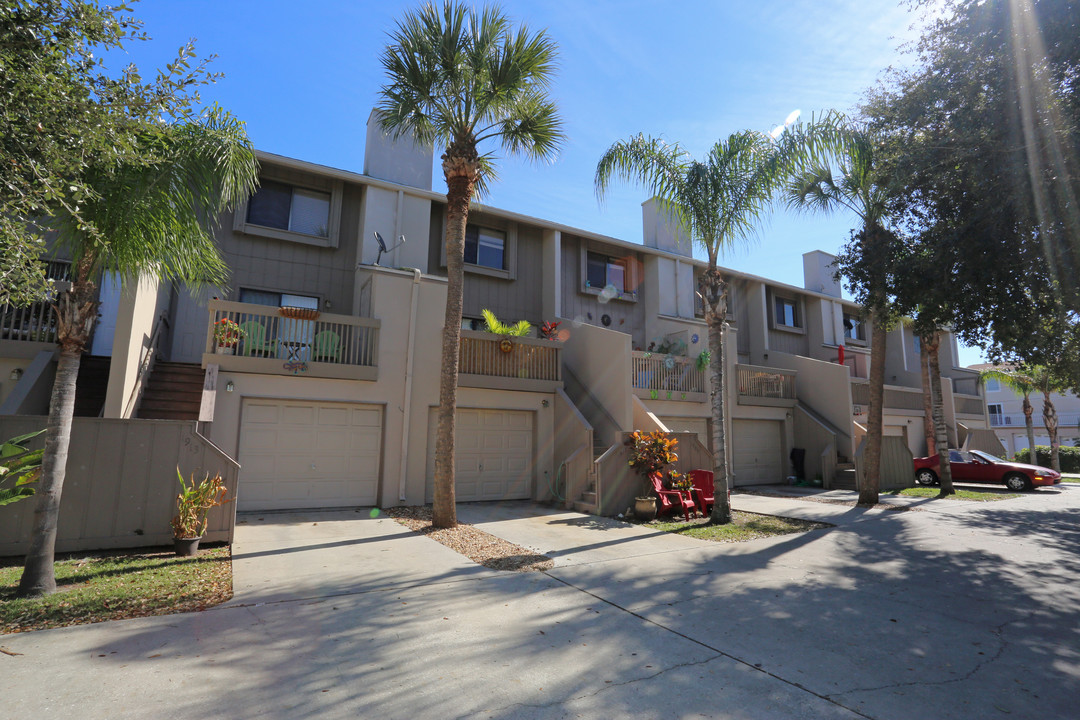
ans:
(459, 78)
(151, 215)
(931, 341)
(716, 203)
(859, 189)
(1022, 384)
(1048, 382)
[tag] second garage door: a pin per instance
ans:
(757, 452)
(493, 452)
(301, 454)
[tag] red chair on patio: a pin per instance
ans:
(702, 480)
(670, 500)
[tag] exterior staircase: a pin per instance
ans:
(845, 478)
(174, 392)
(91, 385)
(588, 503)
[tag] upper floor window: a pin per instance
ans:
(285, 207)
(993, 385)
(603, 270)
(853, 328)
(485, 247)
(786, 312)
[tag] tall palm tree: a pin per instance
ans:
(931, 341)
(1048, 382)
(1023, 384)
(716, 203)
(859, 189)
(151, 215)
(461, 78)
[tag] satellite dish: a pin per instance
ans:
(383, 248)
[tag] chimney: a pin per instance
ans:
(818, 272)
(400, 160)
(660, 230)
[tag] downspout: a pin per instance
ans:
(397, 225)
(407, 401)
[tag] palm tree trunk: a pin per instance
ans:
(1029, 422)
(941, 432)
(714, 298)
(76, 312)
(871, 462)
(1050, 421)
(460, 181)
(928, 398)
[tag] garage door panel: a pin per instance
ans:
(493, 455)
(297, 454)
(757, 450)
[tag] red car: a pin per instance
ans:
(980, 467)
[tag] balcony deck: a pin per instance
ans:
(666, 377)
(529, 364)
(313, 345)
(759, 385)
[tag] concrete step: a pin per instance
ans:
(583, 507)
(845, 480)
(589, 498)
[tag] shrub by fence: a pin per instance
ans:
(1070, 457)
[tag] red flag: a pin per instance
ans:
(841, 359)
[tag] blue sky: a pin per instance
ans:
(304, 78)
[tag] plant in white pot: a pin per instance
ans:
(193, 504)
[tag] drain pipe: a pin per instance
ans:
(407, 401)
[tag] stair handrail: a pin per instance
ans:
(146, 364)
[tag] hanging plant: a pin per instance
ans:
(703, 359)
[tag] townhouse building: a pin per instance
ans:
(1005, 413)
(329, 398)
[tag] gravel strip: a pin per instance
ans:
(477, 545)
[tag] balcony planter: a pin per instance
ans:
(298, 313)
(225, 350)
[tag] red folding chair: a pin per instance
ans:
(672, 499)
(702, 480)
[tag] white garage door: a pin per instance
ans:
(493, 453)
(697, 425)
(300, 454)
(756, 450)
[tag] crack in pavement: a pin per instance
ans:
(719, 653)
(604, 688)
(1003, 644)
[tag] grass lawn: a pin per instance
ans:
(743, 526)
(987, 495)
(116, 585)
(1070, 478)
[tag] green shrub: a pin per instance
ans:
(1070, 457)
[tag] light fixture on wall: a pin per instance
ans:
(230, 386)
(16, 374)
(327, 304)
(544, 403)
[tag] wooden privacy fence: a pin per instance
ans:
(121, 485)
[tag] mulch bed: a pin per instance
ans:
(477, 545)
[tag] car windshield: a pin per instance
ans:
(986, 456)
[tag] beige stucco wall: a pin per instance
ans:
(600, 359)
(140, 302)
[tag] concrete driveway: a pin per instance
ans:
(953, 611)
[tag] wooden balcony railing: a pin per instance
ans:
(35, 322)
(295, 341)
(760, 385)
(524, 364)
(666, 377)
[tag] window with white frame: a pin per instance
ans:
(485, 247)
(993, 385)
(853, 328)
(786, 312)
(996, 413)
(286, 207)
(604, 270)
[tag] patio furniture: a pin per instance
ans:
(327, 347)
(255, 341)
(671, 500)
(702, 480)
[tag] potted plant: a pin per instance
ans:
(192, 506)
(226, 335)
(550, 330)
(519, 329)
(650, 454)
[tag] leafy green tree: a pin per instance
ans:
(867, 261)
(717, 203)
(983, 138)
(464, 79)
(153, 215)
(19, 468)
(63, 112)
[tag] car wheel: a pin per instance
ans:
(1017, 482)
(926, 477)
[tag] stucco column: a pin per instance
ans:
(551, 293)
(135, 319)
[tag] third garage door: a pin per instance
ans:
(493, 452)
(757, 452)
